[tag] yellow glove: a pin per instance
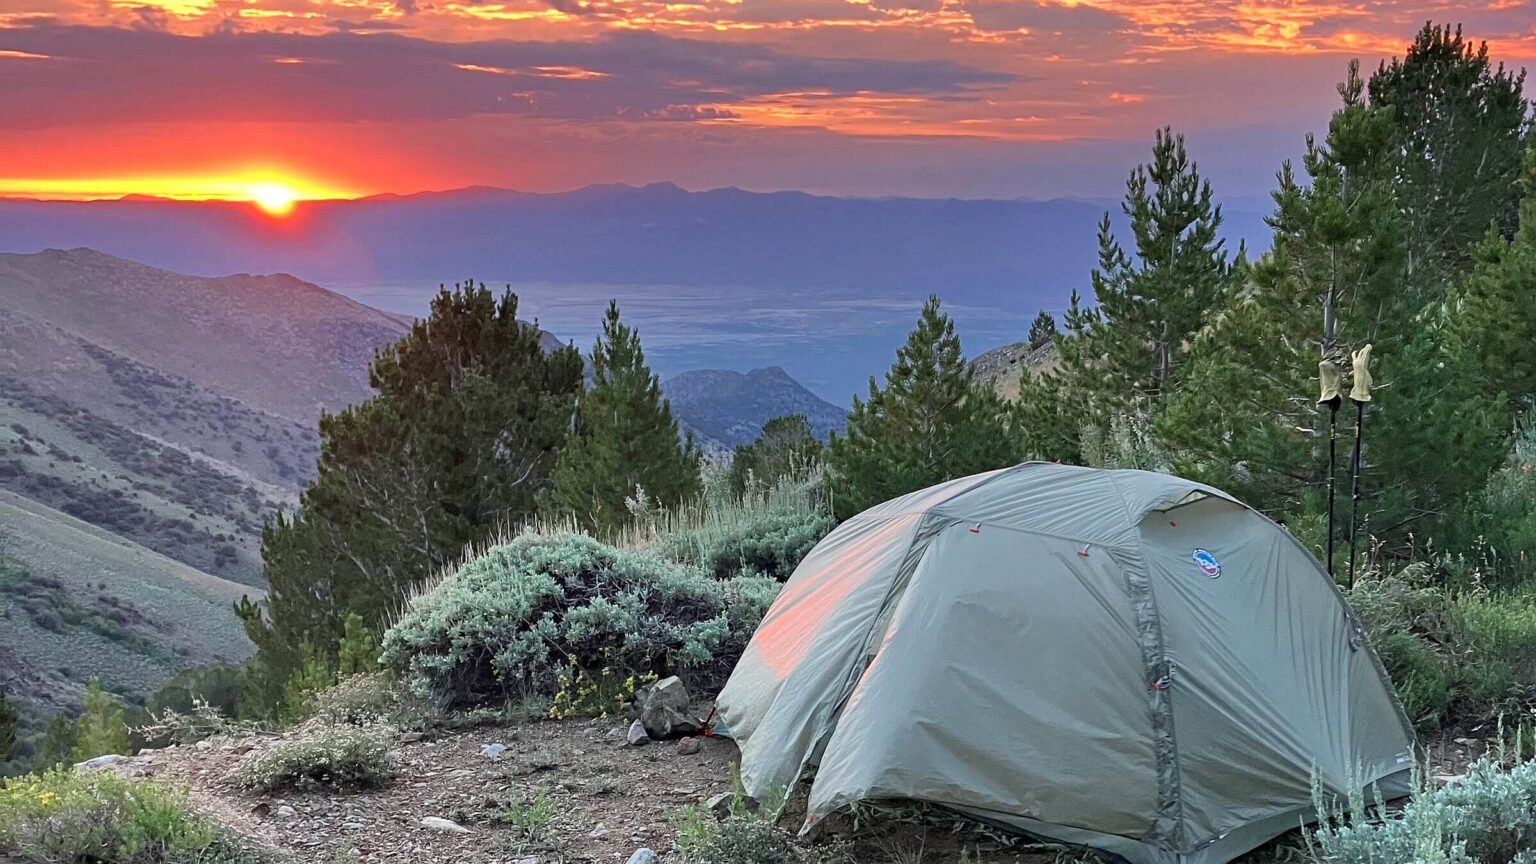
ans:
(1329, 380)
(1361, 392)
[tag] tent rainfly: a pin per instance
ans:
(1119, 659)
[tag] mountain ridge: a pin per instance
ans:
(728, 408)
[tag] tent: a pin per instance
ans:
(1118, 659)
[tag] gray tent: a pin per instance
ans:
(1119, 659)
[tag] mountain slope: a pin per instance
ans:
(78, 602)
(276, 343)
(175, 411)
(1005, 366)
(726, 408)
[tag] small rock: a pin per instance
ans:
(663, 708)
(493, 751)
(637, 736)
(642, 856)
(687, 746)
(597, 832)
(447, 826)
(720, 804)
(100, 762)
(617, 732)
(531, 859)
(1447, 779)
(286, 812)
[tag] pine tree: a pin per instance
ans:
(625, 439)
(1495, 309)
(1042, 329)
(100, 730)
(57, 746)
(8, 721)
(1245, 417)
(930, 422)
(786, 446)
(1459, 123)
(358, 651)
(1120, 357)
(458, 442)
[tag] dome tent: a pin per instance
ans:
(1119, 659)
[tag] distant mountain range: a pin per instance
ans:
(724, 278)
(729, 408)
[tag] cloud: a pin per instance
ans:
(1051, 17)
(106, 75)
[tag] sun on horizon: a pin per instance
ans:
(274, 199)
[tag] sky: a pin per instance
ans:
(274, 99)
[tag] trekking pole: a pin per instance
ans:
(1359, 393)
(1328, 380)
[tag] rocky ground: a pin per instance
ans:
(606, 799)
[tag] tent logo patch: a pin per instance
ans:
(1207, 563)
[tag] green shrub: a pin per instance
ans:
(529, 816)
(765, 530)
(371, 700)
(1509, 505)
(338, 757)
(1399, 612)
(739, 838)
(1488, 817)
(1498, 639)
(509, 623)
(1469, 653)
(67, 816)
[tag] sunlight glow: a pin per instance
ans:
(274, 194)
(275, 198)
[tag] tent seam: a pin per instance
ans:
(1149, 621)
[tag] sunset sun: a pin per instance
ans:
(273, 198)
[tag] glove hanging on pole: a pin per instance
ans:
(1359, 394)
(1361, 391)
(1329, 381)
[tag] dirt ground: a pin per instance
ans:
(609, 799)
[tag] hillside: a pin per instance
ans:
(1004, 366)
(275, 343)
(77, 602)
(175, 411)
(728, 408)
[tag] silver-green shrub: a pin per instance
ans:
(1488, 816)
(507, 624)
(321, 755)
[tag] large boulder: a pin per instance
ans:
(663, 709)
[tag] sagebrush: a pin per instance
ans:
(508, 624)
(321, 755)
(1487, 817)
